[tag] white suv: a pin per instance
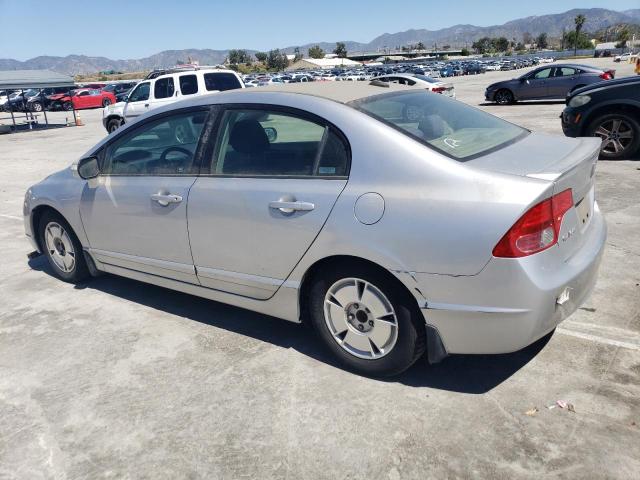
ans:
(167, 88)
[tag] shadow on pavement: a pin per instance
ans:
(524, 103)
(473, 374)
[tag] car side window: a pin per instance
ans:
(188, 84)
(163, 88)
(274, 143)
(565, 72)
(220, 81)
(163, 146)
(140, 93)
(544, 73)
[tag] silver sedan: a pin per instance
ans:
(394, 220)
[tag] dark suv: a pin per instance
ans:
(609, 110)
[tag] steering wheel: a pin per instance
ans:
(163, 157)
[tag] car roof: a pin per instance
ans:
(342, 92)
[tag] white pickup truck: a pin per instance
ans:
(159, 90)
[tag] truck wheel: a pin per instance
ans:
(113, 125)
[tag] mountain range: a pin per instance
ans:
(455, 36)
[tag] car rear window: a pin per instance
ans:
(446, 125)
(221, 81)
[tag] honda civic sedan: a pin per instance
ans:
(544, 83)
(394, 220)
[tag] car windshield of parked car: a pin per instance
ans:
(451, 127)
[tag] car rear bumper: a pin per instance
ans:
(512, 302)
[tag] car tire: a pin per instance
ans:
(62, 248)
(67, 106)
(113, 125)
(620, 134)
(370, 324)
(106, 102)
(504, 97)
(36, 107)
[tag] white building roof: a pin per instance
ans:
(331, 62)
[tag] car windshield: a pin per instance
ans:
(110, 88)
(451, 127)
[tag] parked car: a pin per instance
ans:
(119, 88)
(82, 98)
(42, 100)
(625, 57)
(610, 111)
(391, 234)
(18, 101)
(4, 96)
(165, 88)
(547, 82)
(423, 81)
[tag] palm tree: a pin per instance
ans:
(579, 21)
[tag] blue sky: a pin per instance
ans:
(121, 29)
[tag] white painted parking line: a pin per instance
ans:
(614, 336)
(12, 217)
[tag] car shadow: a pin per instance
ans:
(471, 374)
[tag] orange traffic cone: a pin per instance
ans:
(79, 122)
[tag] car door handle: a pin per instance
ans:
(166, 199)
(290, 207)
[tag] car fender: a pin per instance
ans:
(61, 191)
(592, 112)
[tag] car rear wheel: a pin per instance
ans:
(113, 125)
(620, 135)
(67, 106)
(106, 102)
(62, 248)
(366, 321)
(504, 97)
(36, 107)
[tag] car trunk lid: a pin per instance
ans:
(567, 163)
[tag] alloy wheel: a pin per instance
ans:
(616, 135)
(360, 318)
(60, 247)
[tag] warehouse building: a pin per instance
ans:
(322, 63)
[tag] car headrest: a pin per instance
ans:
(249, 137)
(431, 126)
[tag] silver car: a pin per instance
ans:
(394, 220)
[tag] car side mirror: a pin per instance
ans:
(88, 168)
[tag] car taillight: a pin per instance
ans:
(438, 89)
(536, 230)
(606, 76)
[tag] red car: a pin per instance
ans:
(82, 98)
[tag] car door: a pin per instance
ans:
(562, 81)
(138, 101)
(535, 85)
(135, 212)
(94, 99)
(271, 182)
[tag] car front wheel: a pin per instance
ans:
(504, 97)
(36, 107)
(366, 320)
(106, 102)
(620, 135)
(62, 248)
(67, 106)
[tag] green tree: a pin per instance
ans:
(527, 38)
(340, 50)
(420, 46)
(500, 44)
(316, 52)
(465, 52)
(297, 54)
(577, 41)
(622, 38)
(482, 45)
(542, 40)
(276, 60)
(261, 56)
(579, 21)
(237, 57)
